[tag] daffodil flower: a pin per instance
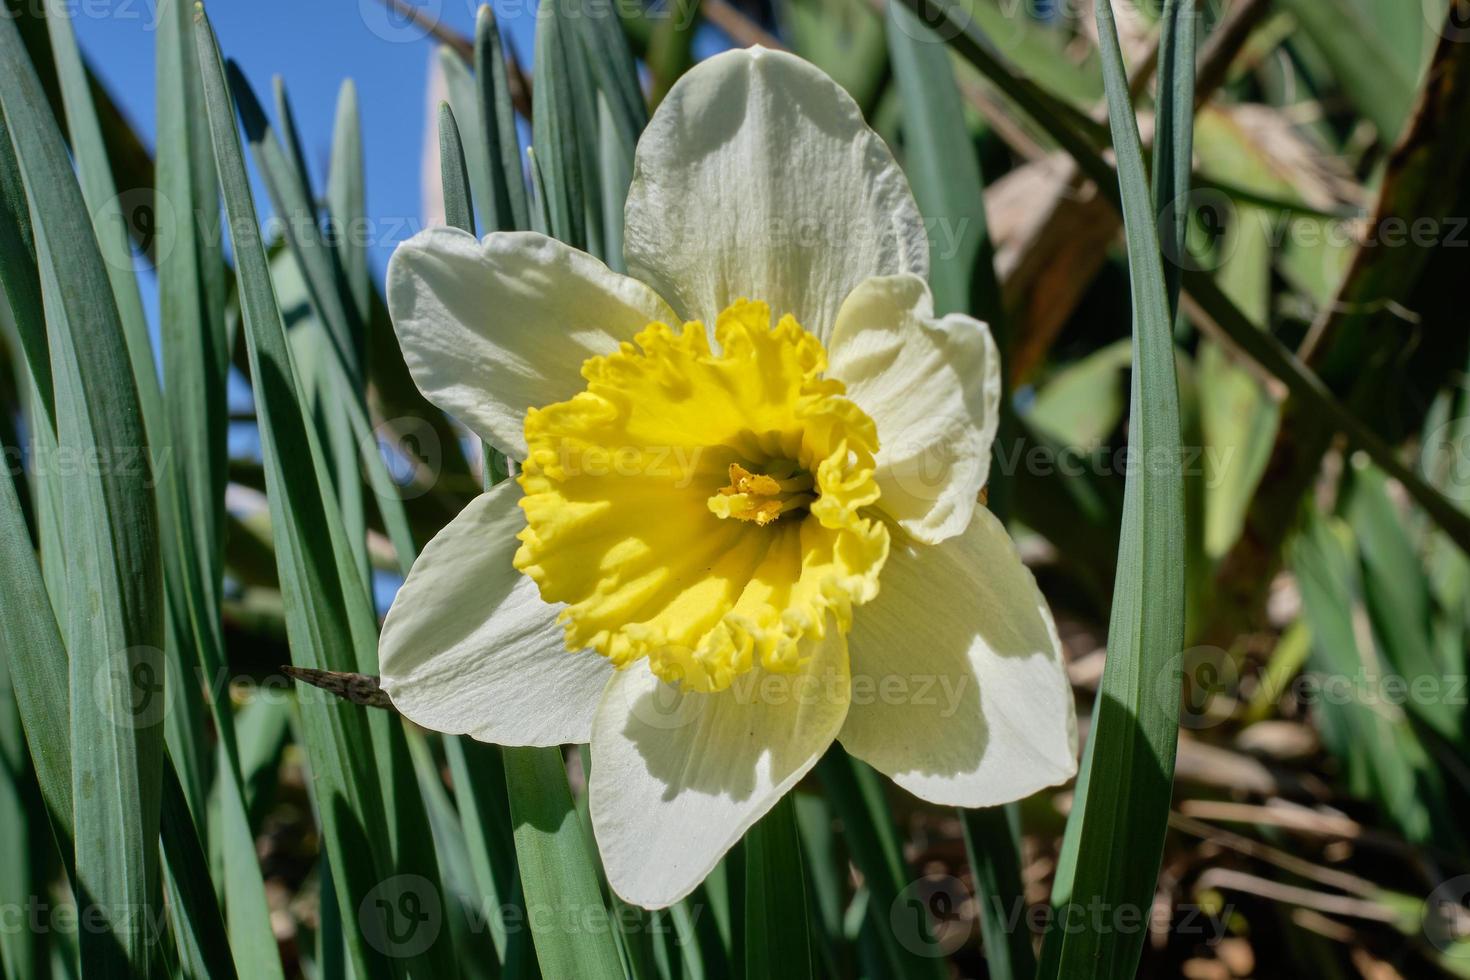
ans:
(746, 521)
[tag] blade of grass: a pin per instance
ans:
(857, 797)
(557, 873)
(945, 172)
(199, 929)
(1174, 149)
(777, 929)
(459, 211)
(26, 842)
(1261, 347)
(498, 130)
(329, 617)
(113, 578)
(347, 202)
(558, 160)
(37, 660)
(1124, 788)
(20, 279)
(290, 193)
(191, 284)
(993, 843)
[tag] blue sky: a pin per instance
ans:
(314, 45)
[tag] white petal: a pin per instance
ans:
(758, 178)
(491, 328)
(959, 693)
(469, 647)
(677, 779)
(933, 388)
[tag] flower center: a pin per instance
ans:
(704, 509)
(764, 497)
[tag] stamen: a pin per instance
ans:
(760, 497)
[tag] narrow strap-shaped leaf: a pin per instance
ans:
(941, 164)
(1124, 790)
(507, 209)
(19, 278)
(33, 650)
(27, 843)
(557, 872)
(778, 940)
(1174, 145)
(459, 210)
(615, 175)
(945, 172)
(992, 840)
(289, 190)
(199, 929)
(347, 207)
(614, 71)
(191, 296)
(1261, 347)
(113, 577)
(323, 595)
(872, 839)
(558, 162)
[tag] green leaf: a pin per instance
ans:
(20, 279)
(939, 158)
(1370, 73)
(290, 192)
(777, 931)
(856, 793)
(458, 209)
(507, 203)
(1174, 149)
(113, 577)
(204, 948)
(557, 870)
(1382, 757)
(191, 284)
(328, 613)
(1396, 593)
(37, 660)
(558, 156)
(1125, 784)
(993, 842)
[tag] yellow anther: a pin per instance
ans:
(760, 497)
